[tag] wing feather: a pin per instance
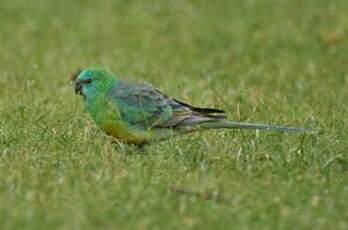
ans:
(146, 107)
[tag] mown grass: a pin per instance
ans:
(278, 62)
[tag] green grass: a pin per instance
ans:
(272, 61)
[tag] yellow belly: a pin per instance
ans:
(126, 134)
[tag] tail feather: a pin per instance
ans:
(240, 125)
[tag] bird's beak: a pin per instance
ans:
(78, 87)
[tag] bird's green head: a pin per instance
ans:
(93, 82)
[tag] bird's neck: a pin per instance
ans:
(98, 93)
(97, 100)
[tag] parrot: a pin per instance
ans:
(139, 114)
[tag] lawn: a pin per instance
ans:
(272, 61)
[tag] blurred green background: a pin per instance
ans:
(272, 61)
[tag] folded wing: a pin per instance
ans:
(145, 107)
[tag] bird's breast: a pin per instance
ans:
(108, 118)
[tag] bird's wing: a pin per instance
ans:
(146, 107)
(141, 105)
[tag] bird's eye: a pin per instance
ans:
(87, 81)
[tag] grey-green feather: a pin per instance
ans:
(146, 107)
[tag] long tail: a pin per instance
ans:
(240, 125)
